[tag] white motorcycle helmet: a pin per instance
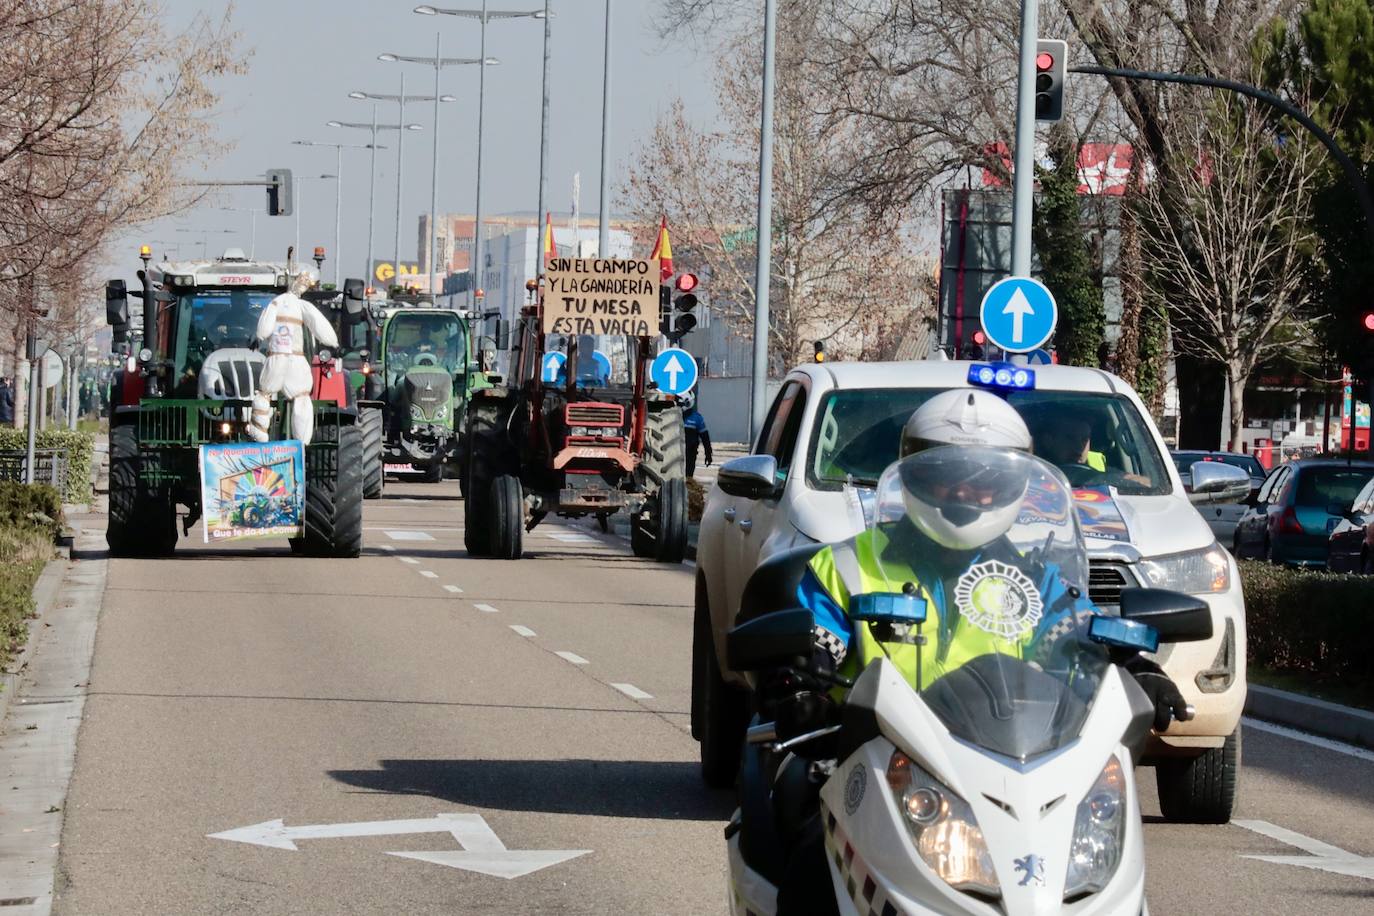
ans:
(969, 495)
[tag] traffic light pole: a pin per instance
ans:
(1352, 172)
(1023, 173)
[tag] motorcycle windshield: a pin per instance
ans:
(990, 540)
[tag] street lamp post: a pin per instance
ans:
(603, 229)
(372, 185)
(544, 138)
(763, 269)
(483, 16)
(338, 197)
(438, 62)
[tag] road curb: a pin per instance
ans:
(1317, 717)
(45, 592)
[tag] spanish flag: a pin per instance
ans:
(550, 249)
(663, 251)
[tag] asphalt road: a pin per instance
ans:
(239, 687)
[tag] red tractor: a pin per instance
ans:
(578, 431)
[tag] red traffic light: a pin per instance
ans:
(686, 283)
(1044, 61)
(980, 338)
(1369, 321)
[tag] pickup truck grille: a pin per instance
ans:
(1106, 579)
(594, 415)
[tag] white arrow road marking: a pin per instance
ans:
(1323, 856)
(673, 368)
(482, 850)
(1018, 307)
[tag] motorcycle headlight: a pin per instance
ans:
(1195, 572)
(1098, 833)
(416, 413)
(942, 827)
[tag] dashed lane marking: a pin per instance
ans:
(573, 538)
(453, 589)
(1314, 740)
(523, 631)
(429, 575)
(408, 535)
(633, 692)
(487, 609)
(572, 657)
(388, 547)
(411, 560)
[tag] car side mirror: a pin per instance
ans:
(752, 476)
(116, 304)
(1217, 482)
(770, 641)
(1176, 617)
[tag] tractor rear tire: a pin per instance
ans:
(484, 456)
(143, 521)
(507, 517)
(372, 424)
(660, 533)
(334, 498)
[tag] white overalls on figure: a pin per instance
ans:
(281, 328)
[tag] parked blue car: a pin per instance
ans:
(1297, 508)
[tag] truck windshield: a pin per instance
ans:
(220, 318)
(417, 339)
(1096, 439)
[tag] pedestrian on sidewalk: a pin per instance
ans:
(6, 401)
(698, 436)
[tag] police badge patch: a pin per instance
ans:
(999, 599)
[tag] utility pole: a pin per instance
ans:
(400, 174)
(543, 143)
(1023, 174)
(763, 269)
(434, 182)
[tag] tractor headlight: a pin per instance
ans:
(1098, 833)
(1195, 572)
(942, 827)
(579, 431)
(609, 432)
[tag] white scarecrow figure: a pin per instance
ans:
(281, 328)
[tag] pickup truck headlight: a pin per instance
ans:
(943, 827)
(1196, 572)
(1098, 833)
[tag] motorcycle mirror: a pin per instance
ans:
(770, 641)
(1175, 616)
(888, 607)
(1123, 634)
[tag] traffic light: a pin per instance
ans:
(819, 347)
(677, 328)
(1050, 56)
(974, 349)
(279, 193)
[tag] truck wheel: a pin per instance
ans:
(484, 451)
(434, 472)
(507, 517)
(720, 712)
(1202, 789)
(143, 521)
(371, 423)
(334, 497)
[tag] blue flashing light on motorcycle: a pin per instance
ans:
(1124, 634)
(1001, 376)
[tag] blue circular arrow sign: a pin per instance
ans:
(552, 367)
(674, 371)
(1019, 314)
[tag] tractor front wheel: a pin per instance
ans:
(483, 462)
(334, 497)
(371, 423)
(507, 517)
(660, 533)
(143, 520)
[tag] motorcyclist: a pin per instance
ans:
(955, 519)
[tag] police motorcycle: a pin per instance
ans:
(973, 753)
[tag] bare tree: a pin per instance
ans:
(1226, 241)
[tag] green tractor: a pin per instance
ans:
(425, 377)
(191, 382)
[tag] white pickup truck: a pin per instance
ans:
(832, 430)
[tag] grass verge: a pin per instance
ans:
(30, 520)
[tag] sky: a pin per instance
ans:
(307, 55)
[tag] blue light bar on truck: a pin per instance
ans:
(1004, 376)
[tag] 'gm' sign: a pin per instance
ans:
(385, 271)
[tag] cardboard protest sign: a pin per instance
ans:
(252, 490)
(604, 296)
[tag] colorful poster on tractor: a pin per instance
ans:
(252, 490)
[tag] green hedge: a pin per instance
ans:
(80, 448)
(30, 520)
(1315, 623)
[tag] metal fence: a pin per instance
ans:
(49, 466)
